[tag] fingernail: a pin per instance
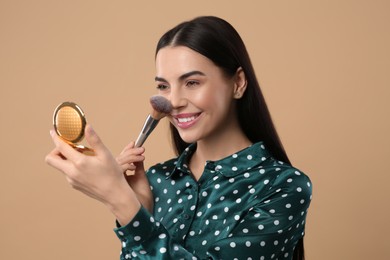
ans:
(51, 132)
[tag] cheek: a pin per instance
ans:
(201, 98)
(205, 101)
(212, 97)
(222, 98)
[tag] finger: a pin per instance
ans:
(131, 167)
(129, 158)
(58, 153)
(133, 152)
(56, 160)
(126, 155)
(94, 141)
(139, 172)
(138, 180)
(139, 168)
(64, 148)
(128, 147)
(127, 166)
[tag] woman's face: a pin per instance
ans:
(202, 96)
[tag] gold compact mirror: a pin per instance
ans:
(69, 123)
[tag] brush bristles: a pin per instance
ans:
(161, 107)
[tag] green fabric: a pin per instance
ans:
(245, 206)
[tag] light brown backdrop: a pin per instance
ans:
(324, 69)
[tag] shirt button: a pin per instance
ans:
(186, 216)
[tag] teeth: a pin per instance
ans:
(185, 120)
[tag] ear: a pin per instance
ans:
(240, 83)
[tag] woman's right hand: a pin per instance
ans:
(131, 161)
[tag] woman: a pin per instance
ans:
(231, 193)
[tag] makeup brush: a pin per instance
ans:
(161, 107)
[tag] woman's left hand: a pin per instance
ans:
(131, 159)
(98, 176)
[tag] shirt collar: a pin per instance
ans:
(230, 166)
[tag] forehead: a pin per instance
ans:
(175, 61)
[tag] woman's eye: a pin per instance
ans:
(162, 87)
(192, 83)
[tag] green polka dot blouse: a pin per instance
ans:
(245, 206)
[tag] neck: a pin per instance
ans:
(215, 149)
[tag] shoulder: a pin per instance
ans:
(279, 173)
(292, 183)
(292, 177)
(279, 176)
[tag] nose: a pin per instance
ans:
(177, 98)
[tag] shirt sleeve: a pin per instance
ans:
(146, 238)
(272, 227)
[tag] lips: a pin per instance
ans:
(186, 120)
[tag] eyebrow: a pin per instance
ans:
(182, 77)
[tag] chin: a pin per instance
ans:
(188, 138)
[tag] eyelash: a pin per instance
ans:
(192, 83)
(162, 87)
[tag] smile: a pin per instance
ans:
(186, 120)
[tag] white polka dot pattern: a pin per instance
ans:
(245, 206)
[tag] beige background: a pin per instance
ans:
(324, 69)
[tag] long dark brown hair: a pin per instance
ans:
(217, 40)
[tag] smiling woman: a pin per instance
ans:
(232, 168)
(231, 192)
(203, 98)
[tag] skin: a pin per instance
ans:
(197, 89)
(101, 176)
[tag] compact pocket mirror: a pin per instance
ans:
(69, 123)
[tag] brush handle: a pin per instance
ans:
(149, 125)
